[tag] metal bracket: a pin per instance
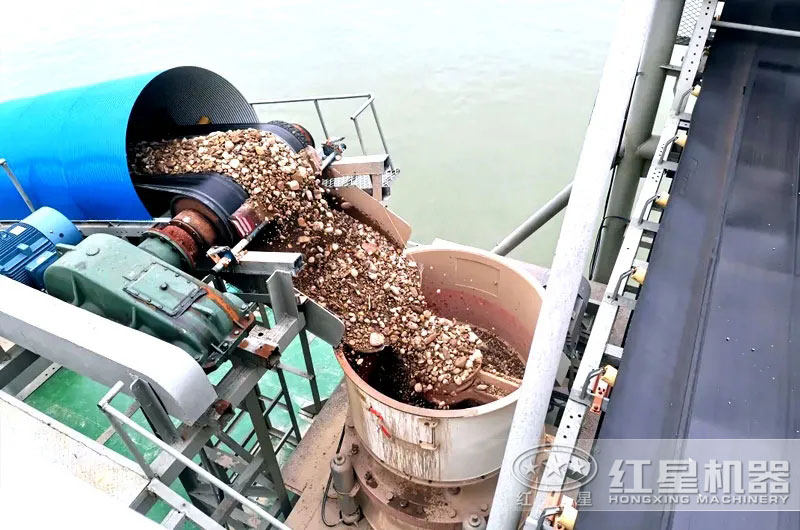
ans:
(641, 221)
(620, 281)
(552, 511)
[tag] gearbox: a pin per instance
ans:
(114, 279)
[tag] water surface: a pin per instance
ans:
(484, 104)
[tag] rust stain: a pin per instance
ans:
(229, 310)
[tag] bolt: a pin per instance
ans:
(236, 332)
(403, 503)
(389, 496)
(484, 508)
(338, 460)
(451, 512)
(164, 286)
(454, 491)
(474, 520)
(354, 449)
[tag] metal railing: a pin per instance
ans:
(119, 420)
(533, 223)
(369, 103)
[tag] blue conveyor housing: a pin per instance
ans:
(69, 148)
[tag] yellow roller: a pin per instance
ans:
(681, 139)
(696, 91)
(639, 275)
(566, 519)
(662, 200)
(610, 375)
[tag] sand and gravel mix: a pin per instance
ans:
(351, 269)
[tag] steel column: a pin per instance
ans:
(574, 245)
(267, 452)
(638, 130)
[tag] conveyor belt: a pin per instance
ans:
(714, 346)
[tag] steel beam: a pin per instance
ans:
(572, 252)
(638, 130)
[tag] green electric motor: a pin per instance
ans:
(119, 281)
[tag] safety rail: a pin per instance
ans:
(119, 420)
(370, 103)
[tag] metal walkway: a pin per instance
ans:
(712, 351)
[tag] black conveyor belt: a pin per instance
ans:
(714, 346)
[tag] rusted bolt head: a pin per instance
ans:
(484, 508)
(368, 475)
(451, 512)
(354, 449)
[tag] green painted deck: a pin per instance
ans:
(72, 400)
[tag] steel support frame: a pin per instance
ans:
(638, 130)
(598, 348)
(235, 386)
(261, 459)
(118, 419)
(572, 253)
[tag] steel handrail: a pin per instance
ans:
(370, 103)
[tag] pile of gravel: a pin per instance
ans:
(352, 269)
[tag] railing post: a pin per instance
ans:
(321, 120)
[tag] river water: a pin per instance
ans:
(484, 103)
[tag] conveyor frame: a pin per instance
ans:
(661, 170)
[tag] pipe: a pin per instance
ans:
(17, 185)
(639, 128)
(534, 222)
(572, 252)
(647, 150)
(757, 29)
